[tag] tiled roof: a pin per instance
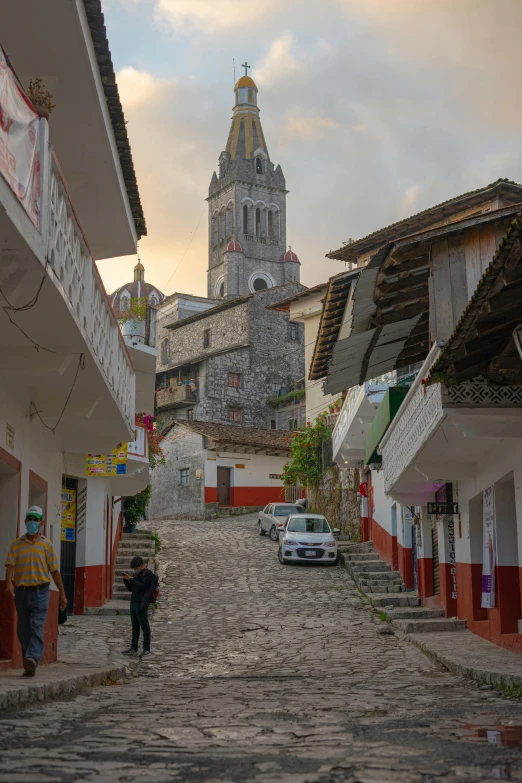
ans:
(422, 219)
(274, 440)
(95, 20)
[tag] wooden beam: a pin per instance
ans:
(402, 313)
(401, 285)
(403, 296)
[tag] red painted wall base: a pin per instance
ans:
(248, 496)
(405, 565)
(10, 650)
(385, 545)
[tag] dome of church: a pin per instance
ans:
(245, 81)
(234, 246)
(291, 256)
(137, 289)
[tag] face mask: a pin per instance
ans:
(32, 526)
(136, 571)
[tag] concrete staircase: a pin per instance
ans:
(374, 577)
(421, 619)
(139, 543)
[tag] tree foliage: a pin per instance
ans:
(306, 454)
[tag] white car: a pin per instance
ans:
(272, 518)
(308, 537)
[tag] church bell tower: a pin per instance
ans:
(247, 209)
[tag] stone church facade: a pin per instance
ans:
(247, 209)
(225, 361)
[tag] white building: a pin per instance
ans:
(67, 198)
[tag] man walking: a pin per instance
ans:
(29, 565)
(141, 585)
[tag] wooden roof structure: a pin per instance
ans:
(334, 305)
(233, 437)
(482, 343)
(390, 326)
(510, 192)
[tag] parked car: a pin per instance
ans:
(272, 518)
(308, 537)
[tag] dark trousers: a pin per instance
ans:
(139, 620)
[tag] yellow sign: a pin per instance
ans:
(68, 532)
(106, 465)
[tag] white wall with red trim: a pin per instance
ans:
(251, 477)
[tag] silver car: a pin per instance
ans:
(272, 518)
(308, 537)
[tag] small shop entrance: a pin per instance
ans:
(9, 516)
(223, 486)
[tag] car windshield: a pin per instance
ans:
(308, 525)
(285, 511)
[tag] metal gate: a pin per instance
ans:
(293, 492)
(68, 545)
(414, 557)
(435, 558)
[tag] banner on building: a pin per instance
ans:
(107, 465)
(20, 130)
(489, 551)
(68, 532)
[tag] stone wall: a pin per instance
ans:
(337, 497)
(268, 360)
(170, 500)
(228, 329)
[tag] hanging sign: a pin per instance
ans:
(68, 531)
(19, 143)
(489, 551)
(107, 465)
(443, 508)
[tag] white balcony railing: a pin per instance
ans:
(412, 426)
(75, 273)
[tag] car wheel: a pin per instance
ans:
(274, 535)
(336, 561)
(260, 529)
(281, 558)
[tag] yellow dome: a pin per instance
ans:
(245, 81)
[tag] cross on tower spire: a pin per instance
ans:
(246, 66)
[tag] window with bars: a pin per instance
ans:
(184, 476)
(293, 332)
(235, 414)
(206, 338)
(234, 380)
(292, 424)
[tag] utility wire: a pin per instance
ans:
(186, 249)
(81, 366)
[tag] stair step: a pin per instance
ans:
(430, 625)
(415, 613)
(357, 548)
(381, 589)
(370, 567)
(402, 600)
(360, 557)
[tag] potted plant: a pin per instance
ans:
(41, 98)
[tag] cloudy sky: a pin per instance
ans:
(375, 109)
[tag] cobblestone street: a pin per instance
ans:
(265, 673)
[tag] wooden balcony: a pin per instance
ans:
(176, 397)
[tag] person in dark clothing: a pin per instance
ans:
(141, 585)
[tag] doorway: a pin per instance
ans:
(68, 540)
(223, 486)
(395, 552)
(38, 497)
(9, 529)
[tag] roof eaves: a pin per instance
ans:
(211, 311)
(95, 20)
(342, 253)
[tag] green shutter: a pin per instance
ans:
(385, 413)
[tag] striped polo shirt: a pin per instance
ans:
(32, 560)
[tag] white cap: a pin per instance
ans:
(34, 511)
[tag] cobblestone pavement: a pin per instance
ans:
(266, 673)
